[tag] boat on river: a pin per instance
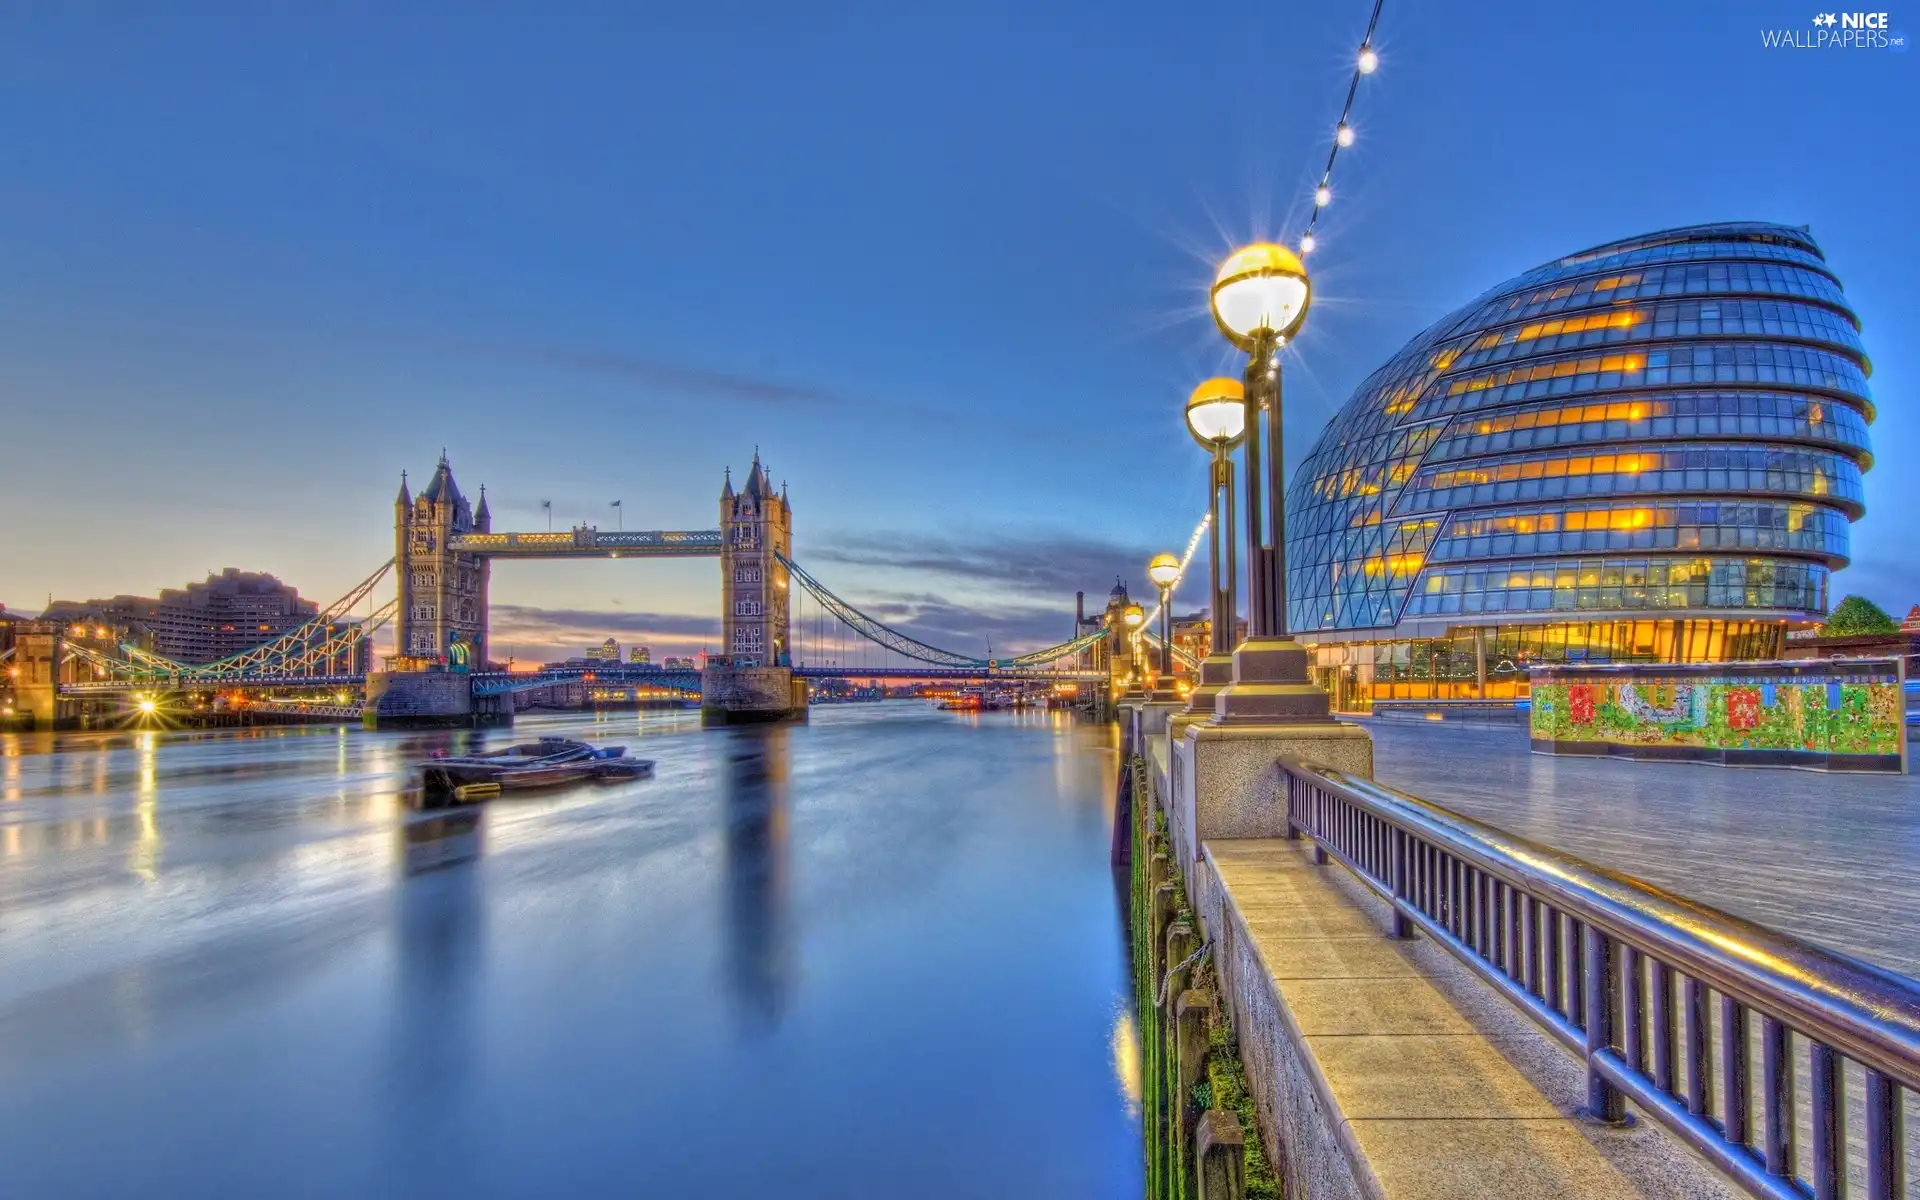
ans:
(548, 763)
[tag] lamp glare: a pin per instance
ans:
(1307, 243)
(1217, 413)
(1163, 570)
(1344, 134)
(1322, 196)
(1261, 291)
(1369, 61)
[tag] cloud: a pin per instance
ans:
(1036, 568)
(939, 622)
(529, 628)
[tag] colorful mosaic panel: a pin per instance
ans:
(1794, 710)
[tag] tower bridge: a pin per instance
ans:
(444, 551)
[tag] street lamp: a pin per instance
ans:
(1164, 570)
(1133, 616)
(1217, 419)
(1260, 299)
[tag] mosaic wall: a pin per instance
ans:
(1775, 710)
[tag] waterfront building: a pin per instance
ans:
(607, 651)
(1646, 451)
(224, 615)
(640, 656)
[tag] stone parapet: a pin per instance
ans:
(1225, 783)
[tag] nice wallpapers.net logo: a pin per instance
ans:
(1838, 31)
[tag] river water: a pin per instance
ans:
(875, 955)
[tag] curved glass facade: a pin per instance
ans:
(1672, 425)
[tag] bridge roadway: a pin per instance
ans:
(1829, 858)
(496, 683)
(587, 542)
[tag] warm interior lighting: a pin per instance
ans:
(1217, 412)
(1260, 290)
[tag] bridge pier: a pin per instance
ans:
(751, 695)
(430, 700)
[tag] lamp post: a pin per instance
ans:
(1217, 419)
(1133, 616)
(1164, 570)
(1260, 299)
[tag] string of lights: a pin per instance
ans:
(1193, 544)
(1365, 63)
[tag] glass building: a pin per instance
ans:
(1646, 451)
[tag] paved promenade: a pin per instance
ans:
(1834, 859)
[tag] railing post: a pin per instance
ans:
(1402, 928)
(1829, 1168)
(1886, 1138)
(1604, 1101)
(1776, 1101)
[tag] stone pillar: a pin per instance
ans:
(1219, 1151)
(1191, 1013)
(418, 700)
(36, 689)
(751, 695)
(1181, 942)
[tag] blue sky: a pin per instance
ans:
(944, 265)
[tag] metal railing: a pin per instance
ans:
(1624, 975)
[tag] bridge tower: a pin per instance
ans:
(754, 525)
(752, 677)
(443, 594)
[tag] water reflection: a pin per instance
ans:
(441, 923)
(760, 967)
(434, 842)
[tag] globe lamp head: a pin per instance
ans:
(1217, 413)
(1134, 616)
(1261, 291)
(1163, 570)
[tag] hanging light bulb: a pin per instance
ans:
(1307, 243)
(1344, 134)
(1369, 61)
(1322, 196)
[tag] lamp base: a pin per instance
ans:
(1216, 672)
(1271, 687)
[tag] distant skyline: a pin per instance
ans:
(946, 269)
